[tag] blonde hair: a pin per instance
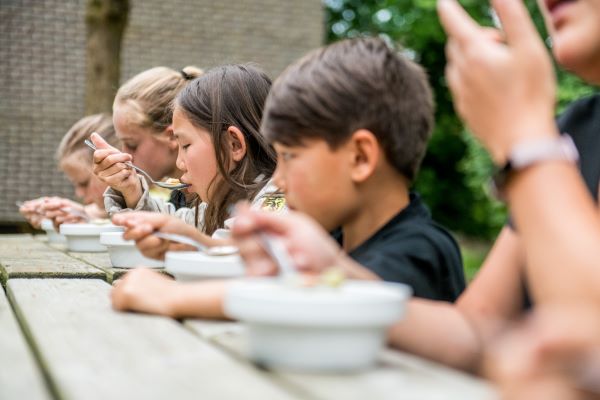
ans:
(73, 140)
(151, 93)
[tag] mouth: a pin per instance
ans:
(183, 179)
(554, 5)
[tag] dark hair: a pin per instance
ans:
(231, 95)
(350, 85)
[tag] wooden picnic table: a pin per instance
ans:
(60, 339)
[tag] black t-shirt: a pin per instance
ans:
(581, 120)
(412, 249)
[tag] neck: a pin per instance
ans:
(380, 201)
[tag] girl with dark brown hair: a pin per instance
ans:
(223, 157)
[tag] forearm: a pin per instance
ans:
(559, 225)
(132, 197)
(437, 331)
(199, 300)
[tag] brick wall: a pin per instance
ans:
(42, 67)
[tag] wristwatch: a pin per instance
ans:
(528, 153)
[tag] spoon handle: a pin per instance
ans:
(181, 239)
(279, 253)
(129, 164)
(141, 171)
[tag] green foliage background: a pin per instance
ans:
(456, 170)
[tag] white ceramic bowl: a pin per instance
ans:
(124, 254)
(86, 237)
(316, 329)
(194, 265)
(53, 236)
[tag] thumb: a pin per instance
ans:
(520, 32)
(99, 141)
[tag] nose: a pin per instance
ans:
(278, 178)
(179, 162)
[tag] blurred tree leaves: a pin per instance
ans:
(455, 173)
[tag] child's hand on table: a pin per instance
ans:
(64, 211)
(144, 290)
(141, 225)
(32, 212)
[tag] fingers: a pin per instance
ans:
(99, 142)
(66, 219)
(256, 259)
(456, 22)
(104, 160)
(131, 219)
(153, 247)
(137, 231)
(142, 290)
(493, 34)
(516, 23)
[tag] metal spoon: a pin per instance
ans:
(275, 248)
(141, 171)
(211, 251)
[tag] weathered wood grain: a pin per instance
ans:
(102, 261)
(20, 376)
(22, 256)
(396, 376)
(93, 352)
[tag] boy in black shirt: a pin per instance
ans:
(350, 124)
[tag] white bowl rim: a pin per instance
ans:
(115, 239)
(255, 289)
(87, 229)
(194, 263)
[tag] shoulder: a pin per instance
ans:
(579, 112)
(419, 238)
(270, 198)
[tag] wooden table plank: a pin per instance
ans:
(396, 376)
(22, 256)
(93, 352)
(99, 260)
(102, 261)
(20, 377)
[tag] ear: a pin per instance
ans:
(169, 135)
(237, 143)
(365, 153)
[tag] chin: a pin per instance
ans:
(578, 61)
